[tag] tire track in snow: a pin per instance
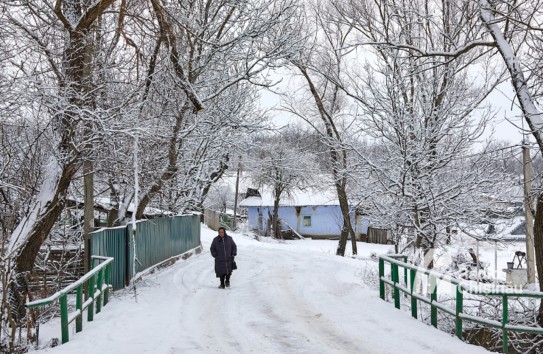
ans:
(309, 328)
(212, 314)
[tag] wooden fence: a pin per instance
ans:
(56, 268)
(380, 236)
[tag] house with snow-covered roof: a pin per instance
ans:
(309, 213)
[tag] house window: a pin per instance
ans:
(307, 220)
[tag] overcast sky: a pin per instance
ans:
(507, 114)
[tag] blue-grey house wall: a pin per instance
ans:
(326, 220)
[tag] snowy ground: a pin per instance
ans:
(286, 297)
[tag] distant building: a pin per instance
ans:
(308, 213)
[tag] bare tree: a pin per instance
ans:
(226, 46)
(53, 47)
(321, 66)
(420, 107)
(72, 79)
(511, 26)
(281, 168)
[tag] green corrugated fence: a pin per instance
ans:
(112, 242)
(156, 241)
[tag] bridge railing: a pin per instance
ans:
(97, 282)
(408, 286)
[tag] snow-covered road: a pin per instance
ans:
(294, 297)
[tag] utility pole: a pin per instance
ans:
(134, 224)
(529, 218)
(88, 207)
(236, 195)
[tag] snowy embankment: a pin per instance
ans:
(286, 297)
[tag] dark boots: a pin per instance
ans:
(225, 281)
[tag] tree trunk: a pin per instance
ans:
(538, 243)
(112, 216)
(347, 226)
(27, 250)
(530, 111)
(473, 255)
(338, 157)
(36, 226)
(275, 218)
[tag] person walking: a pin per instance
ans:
(223, 249)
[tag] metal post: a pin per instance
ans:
(505, 320)
(381, 275)
(107, 281)
(433, 298)
(236, 196)
(134, 228)
(99, 288)
(90, 308)
(404, 258)
(395, 280)
(459, 310)
(88, 207)
(64, 318)
(413, 299)
(79, 307)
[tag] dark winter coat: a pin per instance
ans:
(223, 249)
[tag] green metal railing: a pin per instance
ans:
(97, 282)
(411, 272)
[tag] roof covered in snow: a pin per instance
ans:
(306, 197)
